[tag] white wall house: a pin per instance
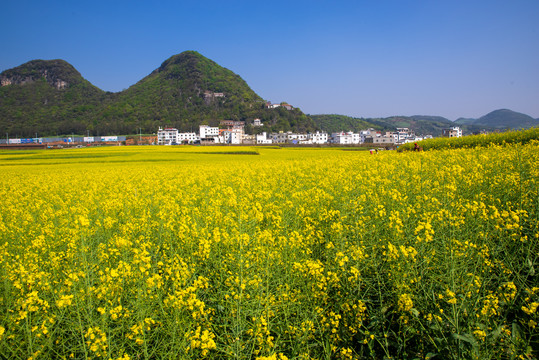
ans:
(345, 138)
(384, 138)
(187, 137)
(167, 136)
(364, 134)
(318, 138)
(455, 131)
(231, 136)
(279, 138)
(207, 132)
(296, 138)
(263, 139)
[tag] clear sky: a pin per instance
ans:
(363, 58)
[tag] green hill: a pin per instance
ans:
(464, 121)
(46, 97)
(505, 118)
(499, 119)
(338, 123)
(427, 125)
(51, 97)
(420, 124)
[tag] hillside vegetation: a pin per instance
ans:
(51, 97)
(422, 125)
(501, 119)
(337, 123)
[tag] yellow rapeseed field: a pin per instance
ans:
(269, 253)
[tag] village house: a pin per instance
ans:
(279, 138)
(345, 138)
(167, 136)
(248, 139)
(208, 133)
(230, 136)
(232, 132)
(454, 131)
(318, 138)
(269, 105)
(263, 139)
(189, 138)
(385, 138)
(363, 134)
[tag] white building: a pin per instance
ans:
(167, 136)
(403, 136)
(364, 134)
(208, 132)
(384, 138)
(345, 138)
(296, 138)
(455, 131)
(231, 136)
(279, 138)
(257, 122)
(187, 138)
(263, 139)
(318, 138)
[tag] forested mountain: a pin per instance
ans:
(427, 125)
(337, 123)
(432, 125)
(46, 97)
(420, 124)
(51, 97)
(501, 119)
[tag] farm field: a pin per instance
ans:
(266, 253)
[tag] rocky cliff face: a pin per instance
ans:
(57, 73)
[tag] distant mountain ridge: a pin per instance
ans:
(428, 125)
(420, 124)
(502, 118)
(50, 97)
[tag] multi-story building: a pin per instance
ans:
(208, 133)
(318, 138)
(364, 134)
(230, 136)
(345, 138)
(455, 131)
(294, 138)
(279, 138)
(189, 138)
(381, 138)
(263, 139)
(167, 136)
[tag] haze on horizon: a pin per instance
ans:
(358, 58)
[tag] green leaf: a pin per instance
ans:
(466, 338)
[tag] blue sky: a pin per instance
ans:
(364, 58)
